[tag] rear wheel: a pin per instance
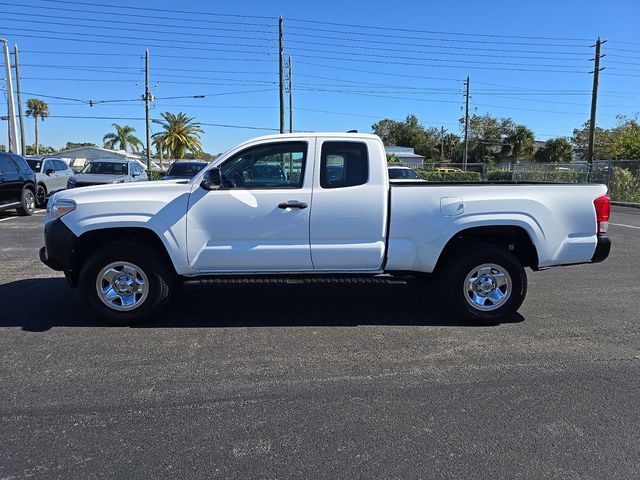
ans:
(485, 285)
(126, 282)
(41, 196)
(27, 202)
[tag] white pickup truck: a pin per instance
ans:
(305, 208)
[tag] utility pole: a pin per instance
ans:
(11, 113)
(466, 127)
(281, 71)
(147, 97)
(290, 96)
(442, 144)
(594, 101)
(23, 148)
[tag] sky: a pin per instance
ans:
(353, 63)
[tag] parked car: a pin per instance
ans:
(17, 184)
(183, 170)
(128, 247)
(448, 170)
(102, 172)
(404, 174)
(52, 175)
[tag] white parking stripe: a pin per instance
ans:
(623, 225)
(10, 218)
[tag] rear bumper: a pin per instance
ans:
(603, 248)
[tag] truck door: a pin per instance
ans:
(348, 216)
(259, 220)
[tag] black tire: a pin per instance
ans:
(462, 300)
(27, 202)
(160, 280)
(41, 196)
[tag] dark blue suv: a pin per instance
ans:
(17, 184)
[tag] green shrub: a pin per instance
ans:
(432, 176)
(500, 176)
(625, 187)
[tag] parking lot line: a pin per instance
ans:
(10, 218)
(623, 225)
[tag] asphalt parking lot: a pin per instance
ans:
(317, 382)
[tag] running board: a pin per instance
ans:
(209, 282)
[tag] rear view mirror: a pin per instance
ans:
(211, 180)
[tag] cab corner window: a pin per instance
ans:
(343, 164)
(274, 165)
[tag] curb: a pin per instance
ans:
(626, 204)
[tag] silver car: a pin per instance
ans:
(52, 175)
(102, 172)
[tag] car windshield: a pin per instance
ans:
(395, 173)
(35, 165)
(106, 168)
(186, 169)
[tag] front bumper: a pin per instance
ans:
(60, 244)
(603, 248)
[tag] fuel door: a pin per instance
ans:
(451, 206)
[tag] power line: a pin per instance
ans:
(432, 32)
(133, 15)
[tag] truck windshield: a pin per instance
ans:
(106, 168)
(185, 169)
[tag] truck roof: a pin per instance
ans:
(279, 136)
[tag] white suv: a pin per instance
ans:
(52, 175)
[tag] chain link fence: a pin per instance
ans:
(622, 177)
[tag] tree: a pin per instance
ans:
(181, 134)
(555, 150)
(38, 109)
(122, 138)
(626, 144)
(521, 140)
(603, 142)
(410, 133)
(39, 149)
(488, 137)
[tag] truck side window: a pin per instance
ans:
(343, 164)
(273, 165)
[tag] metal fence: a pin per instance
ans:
(622, 177)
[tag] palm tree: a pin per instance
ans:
(37, 108)
(555, 150)
(122, 138)
(522, 141)
(181, 134)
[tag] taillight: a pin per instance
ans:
(603, 210)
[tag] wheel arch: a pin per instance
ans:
(511, 237)
(91, 240)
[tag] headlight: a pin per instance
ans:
(59, 208)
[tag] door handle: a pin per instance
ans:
(292, 204)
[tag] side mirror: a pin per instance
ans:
(49, 171)
(135, 174)
(212, 179)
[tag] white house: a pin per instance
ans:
(80, 156)
(406, 155)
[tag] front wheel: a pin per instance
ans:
(126, 282)
(485, 284)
